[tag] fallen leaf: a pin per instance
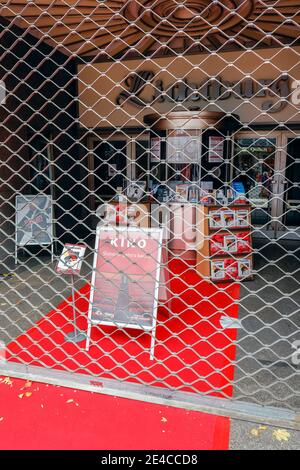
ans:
(7, 381)
(258, 431)
(42, 406)
(27, 395)
(281, 434)
(1, 418)
(164, 420)
(70, 400)
(27, 385)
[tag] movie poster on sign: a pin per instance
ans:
(244, 267)
(215, 219)
(242, 218)
(230, 244)
(217, 270)
(71, 259)
(126, 277)
(33, 220)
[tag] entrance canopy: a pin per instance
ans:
(114, 28)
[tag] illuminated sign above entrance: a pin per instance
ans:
(274, 92)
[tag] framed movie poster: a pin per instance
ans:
(125, 280)
(155, 149)
(216, 149)
(183, 148)
(33, 220)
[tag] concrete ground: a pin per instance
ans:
(31, 290)
(268, 310)
(247, 435)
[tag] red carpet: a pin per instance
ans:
(59, 418)
(192, 352)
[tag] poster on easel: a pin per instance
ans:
(70, 263)
(33, 219)
(125, 280)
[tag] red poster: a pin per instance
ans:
(126, 276)
(217, 244)
(243, 242)
(231, 269)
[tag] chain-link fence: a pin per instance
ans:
(150, 200)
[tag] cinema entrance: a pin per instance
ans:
(265, 161)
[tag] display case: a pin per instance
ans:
(224, 243)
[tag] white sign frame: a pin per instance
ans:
(27, 199)
(151, 329)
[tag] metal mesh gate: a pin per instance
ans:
(157, 142)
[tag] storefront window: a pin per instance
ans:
(253, 165)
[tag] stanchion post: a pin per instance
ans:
(77, 335)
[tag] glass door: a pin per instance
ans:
(108, 167)
(291, 188)
(255, 163)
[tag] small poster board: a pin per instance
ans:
(125, 280)
(70, 260)
(33, 220)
